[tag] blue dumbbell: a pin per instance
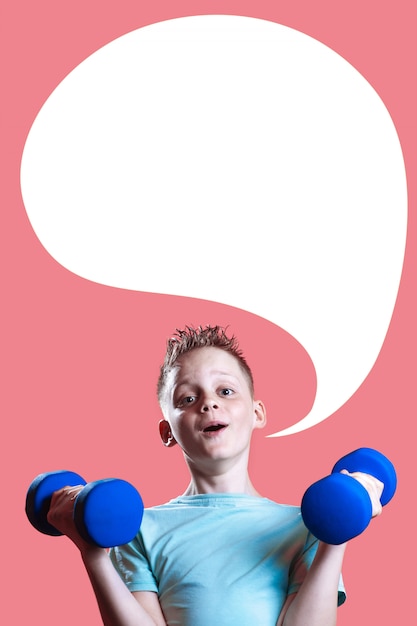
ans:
(106, 512)
(337, 507)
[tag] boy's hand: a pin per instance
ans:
(373, 486)
(61, 515)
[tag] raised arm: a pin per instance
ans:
(315, 603)
(117, 605)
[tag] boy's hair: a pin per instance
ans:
(190, 338)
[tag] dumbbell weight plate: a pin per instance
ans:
(38, 498)
(336, 508)
(108, 512)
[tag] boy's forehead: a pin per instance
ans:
(205, 359)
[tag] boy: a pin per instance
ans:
(221, 553)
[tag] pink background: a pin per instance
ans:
(80, 360)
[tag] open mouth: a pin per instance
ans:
(213, 428)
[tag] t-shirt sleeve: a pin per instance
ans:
(302, 564)
(133, 566)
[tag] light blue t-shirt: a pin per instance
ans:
(219, 559)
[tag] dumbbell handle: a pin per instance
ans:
(370, 461)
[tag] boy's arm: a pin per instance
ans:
(118, 606)
(315, 603)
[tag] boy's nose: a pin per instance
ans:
(209, 404)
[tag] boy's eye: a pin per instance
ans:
(226, 392)
(187, 400)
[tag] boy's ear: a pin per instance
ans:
(166, 434)
(260, 414)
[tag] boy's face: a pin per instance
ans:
(209, 409)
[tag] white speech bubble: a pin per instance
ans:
(234, 160)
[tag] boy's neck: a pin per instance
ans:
(220, 483)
